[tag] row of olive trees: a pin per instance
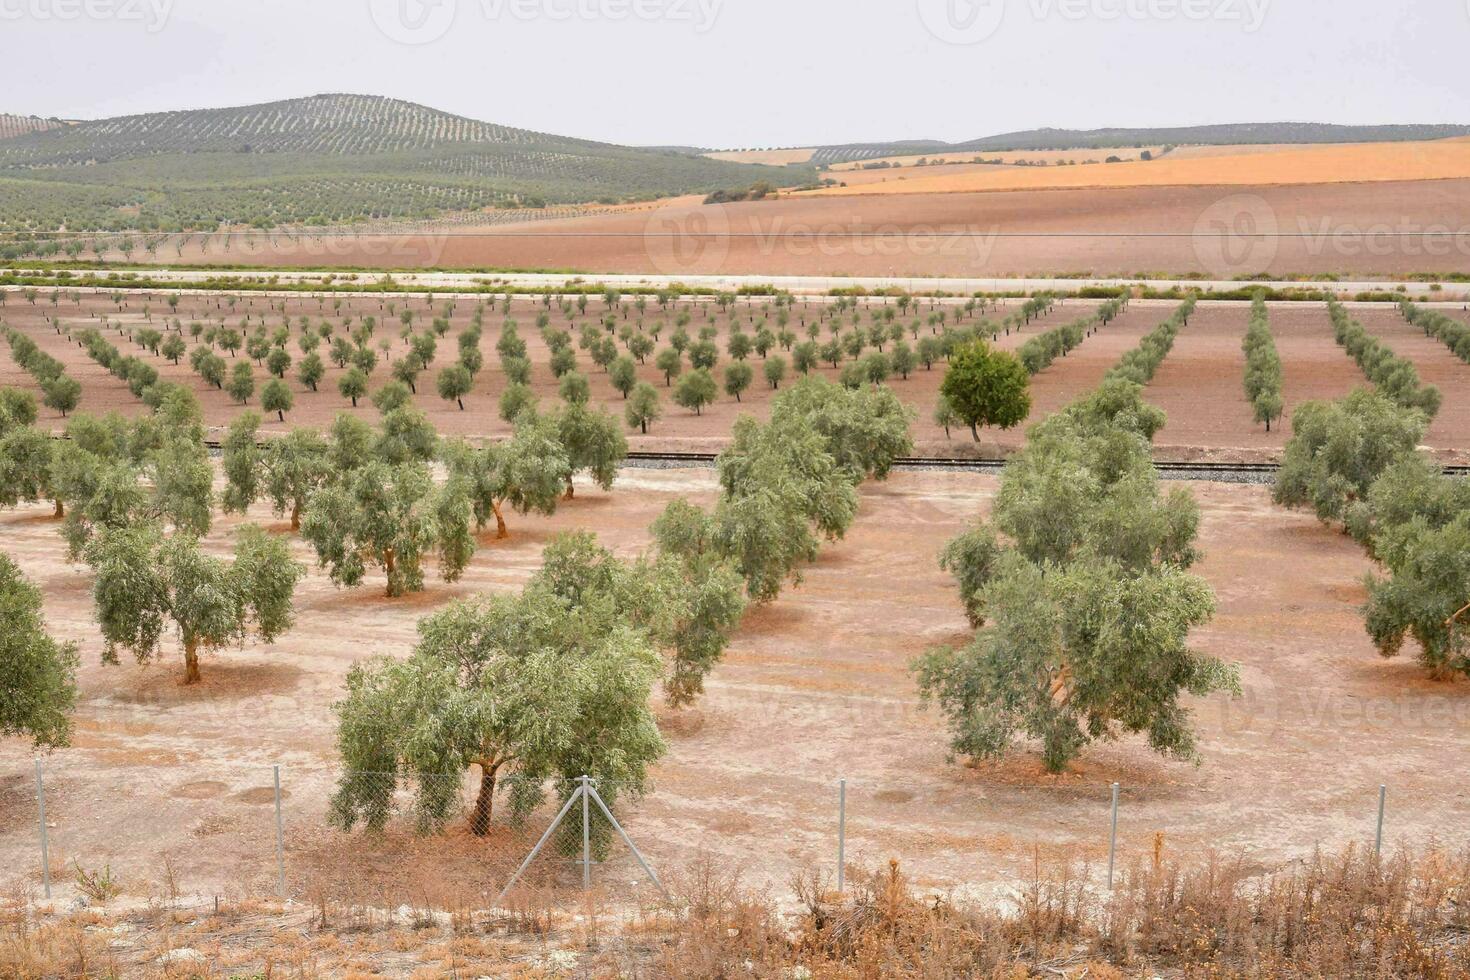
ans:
(1355, 462)
(1079, 590)
(1139, 364)
(1394, 376)
(1454, 334)
(59, 391)
(1262, 366)
(1038, 352)
(554, 683)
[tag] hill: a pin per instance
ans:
(1063, 139)
(328, 159)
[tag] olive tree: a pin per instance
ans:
(594, 442)
(738, 377)
(643, 407)
(527, 472)
(389, 516)
(148, 581)
(276, 397)
(1426, 594)
(1077, 653)
(865, 430)
(1337, 449)
(454, 383)
(696, 390)
(38, 688)
(285, 470)
(1079, 587)
(112, 473)
(524, 688)
(782, 492)
(987, 387)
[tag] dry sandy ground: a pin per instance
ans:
(814, 689)
(1352, 230)
(958, 157)
(1199, 384)
(1356, 162)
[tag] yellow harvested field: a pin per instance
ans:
(1235, 149)
(962, 157)
(1332, 164)
(771, 158)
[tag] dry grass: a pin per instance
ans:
(1342, 915)
(1346, 915)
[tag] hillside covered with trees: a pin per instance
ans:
(328, 159)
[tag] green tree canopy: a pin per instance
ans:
(987, 387)
(147, 581)
(526, 688)
(1077, 653)
(594, 442)
(1078, 587)
(38, 688)
(389, 516)
(1337, 449)
(527, 472)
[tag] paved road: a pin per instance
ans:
(808, 285)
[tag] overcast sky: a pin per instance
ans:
(738, 73)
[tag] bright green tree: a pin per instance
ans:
(987, 387)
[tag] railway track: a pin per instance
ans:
(1168, 469)
(1223, 472)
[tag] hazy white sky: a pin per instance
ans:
(736, 73)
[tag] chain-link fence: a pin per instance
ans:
(352, 843)
(356, 844)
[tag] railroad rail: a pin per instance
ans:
(1166, 468)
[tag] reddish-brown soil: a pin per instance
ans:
(1361, 230)
(814, 689)
(1437, 365)
(1198, 385)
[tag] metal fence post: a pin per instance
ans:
(280, 840)
(841, 835)
(41, 819)
(1378, 837)
(1113, 837)
(586, 838)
